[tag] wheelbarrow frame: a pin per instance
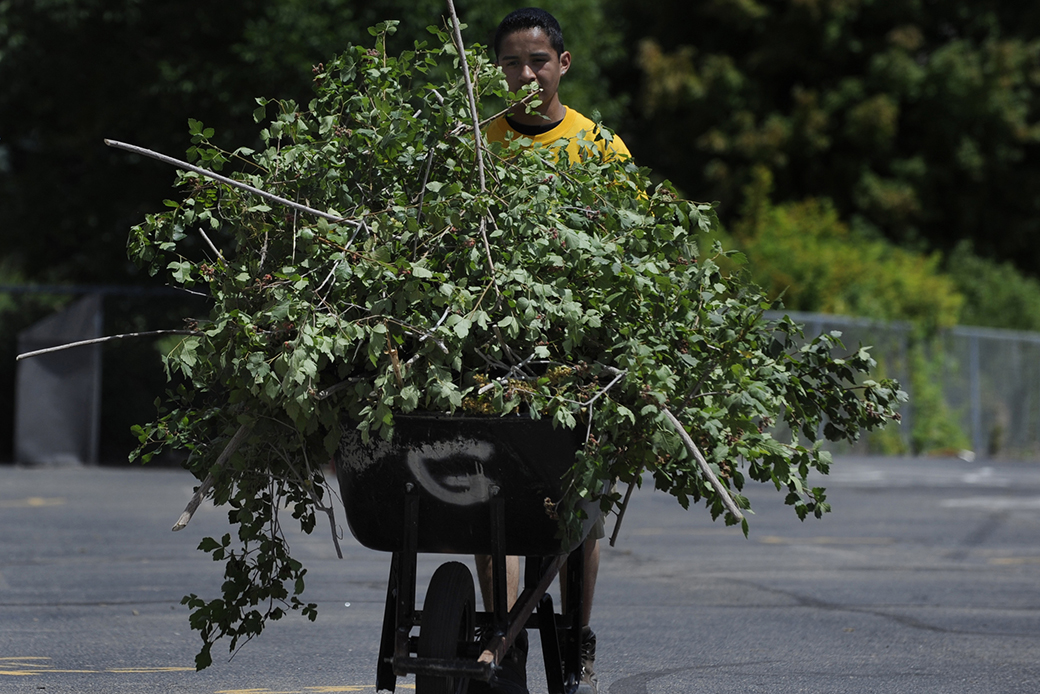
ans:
(559, 632)
(533, 609)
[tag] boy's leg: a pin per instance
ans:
(511, 677)
(483, 562)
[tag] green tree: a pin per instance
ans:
(917, 119)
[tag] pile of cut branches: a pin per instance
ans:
(399, 263)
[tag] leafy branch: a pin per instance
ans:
(467, 276)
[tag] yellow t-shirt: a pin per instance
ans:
(574, 127)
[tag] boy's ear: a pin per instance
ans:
(565, 62)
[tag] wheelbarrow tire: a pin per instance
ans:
(447, 628)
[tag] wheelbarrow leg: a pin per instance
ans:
(535, 570)
(499, 584)
(562, 658)
(549, 636)
(386, 680)
(399, 615)
(572, 618)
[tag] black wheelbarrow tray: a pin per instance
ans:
(467, 485)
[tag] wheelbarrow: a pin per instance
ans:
(467, 485)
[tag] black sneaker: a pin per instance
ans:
(511, 676)
(588, 684)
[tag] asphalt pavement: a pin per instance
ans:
(925, 578)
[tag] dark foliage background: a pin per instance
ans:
(917, 120)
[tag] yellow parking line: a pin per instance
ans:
(28, 666)
(20, 666)
(34, 665)
(146, 670)
(32, 502)
(1014, 561)
(327, 689)
(41, 671)
(305, 690)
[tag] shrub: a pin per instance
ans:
(996, 295)
(804, 252)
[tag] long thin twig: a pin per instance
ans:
(480, 126)
(203, 489)
(329, 510)
(618, 375)
(469, 91)
(624, 506)
(210, 244)
(332, 390)
(424, 336)
(477, 134)
(99, 340)
(231, 182)
(706, 470)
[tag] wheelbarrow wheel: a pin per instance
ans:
(447, 628)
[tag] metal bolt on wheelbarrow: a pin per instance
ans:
(467, 485)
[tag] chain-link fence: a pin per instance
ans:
(991, 379)
(973, 391)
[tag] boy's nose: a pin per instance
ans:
(527, 75)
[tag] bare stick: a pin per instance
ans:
(477, 135)
(329, 510)
(624, 506)
(332, 390)
(469, 90)
(723, 493)
(207, 483)
(98, 340)
(230, 181)
(210, 243)
(480, 126)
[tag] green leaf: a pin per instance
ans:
(208, 544)
(409, 398)
(461, 327)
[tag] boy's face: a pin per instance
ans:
(527, 56)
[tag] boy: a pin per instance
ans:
(528, 48)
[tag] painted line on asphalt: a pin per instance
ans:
(34, 666)
(31, 666)
(32, 502)
(778, 540)
(310, 690)
(1014, 561)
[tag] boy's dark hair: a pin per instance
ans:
(530, 18)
